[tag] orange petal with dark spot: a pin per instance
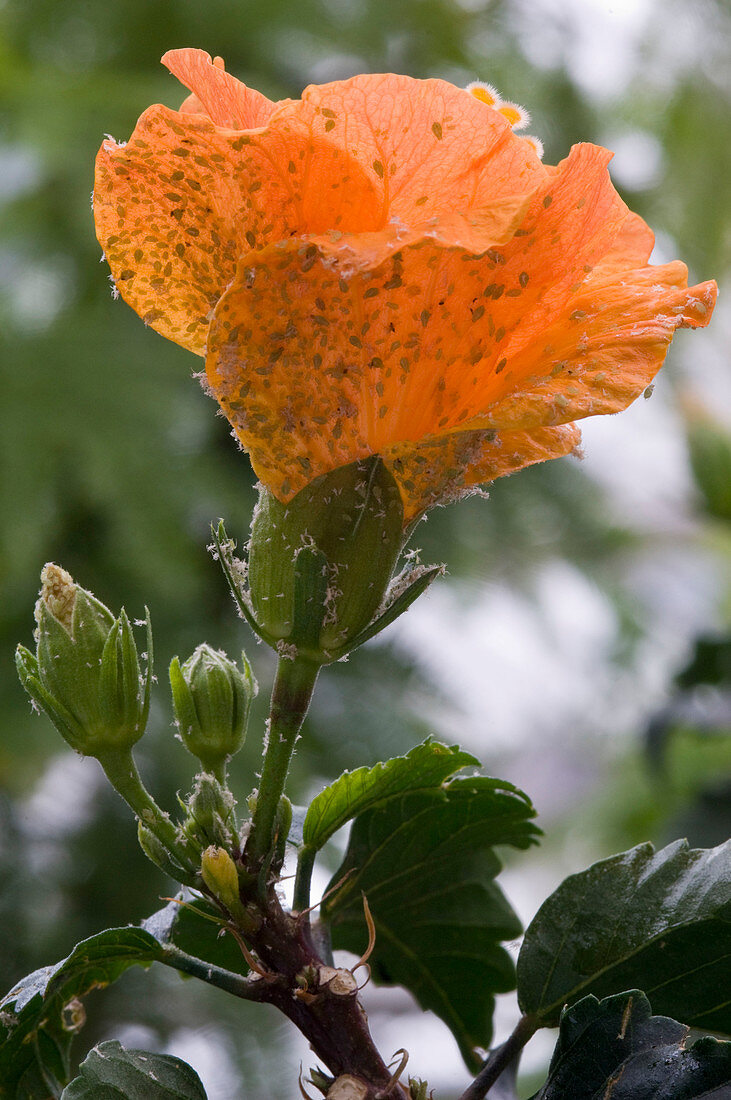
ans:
(442, 469)
(429, 146)
(180, 203)
(409, 330)
(383, 267)
(604, 350)
(325, 351)
(631, 249)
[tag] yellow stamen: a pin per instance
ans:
(484, 92)
(535, 143)
(516, 115)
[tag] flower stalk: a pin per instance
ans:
(121, 771)
(291, 695)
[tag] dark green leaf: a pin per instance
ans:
(198, 930)
(45, 1075)
(110, 1072)
(616, 1048)
(40, 1014)
(660, 921)
(426, 864)
(425, 767)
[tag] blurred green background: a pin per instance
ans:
(580, 643)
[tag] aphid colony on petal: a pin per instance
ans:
(385, 267)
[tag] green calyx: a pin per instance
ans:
(163, 858)
(211, 699)
(320, 567)
(210, 813)
(86, 672)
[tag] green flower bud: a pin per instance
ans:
(219, 873)
(320, 569)
(211, 699)
(156, 851)
(210, 813)
(319, 566)
(85, 673)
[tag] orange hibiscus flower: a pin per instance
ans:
(386, 267)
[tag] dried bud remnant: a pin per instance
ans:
(339, 981)
(348, 1088)
(58, 593)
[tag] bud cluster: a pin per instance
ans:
(210, 809)
(86, 676)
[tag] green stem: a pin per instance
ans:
(499, 1059)
(219, 771)
(291, 695)
(121, 771)
(303, 878)
(227, 980)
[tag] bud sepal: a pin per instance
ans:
(319, 567)
(159, 854)
(211, 818)
(402, 592)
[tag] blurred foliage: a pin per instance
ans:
(114, 462)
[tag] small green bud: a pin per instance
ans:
(85, 673)
(418, 1089)
(219, 873)
(319, 567)
(211, 699)
(156, 851)
(210, 813)
(320, 1080)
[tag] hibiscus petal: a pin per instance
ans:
(409, 342)
(171, 243)
(602, 355)
(427, 145)
(442, 469)
(383, 267)
(315, 347)
(572, 224)
(225, 100)
(180, 202)
(631, 249)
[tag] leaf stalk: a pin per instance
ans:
(499, 1059)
